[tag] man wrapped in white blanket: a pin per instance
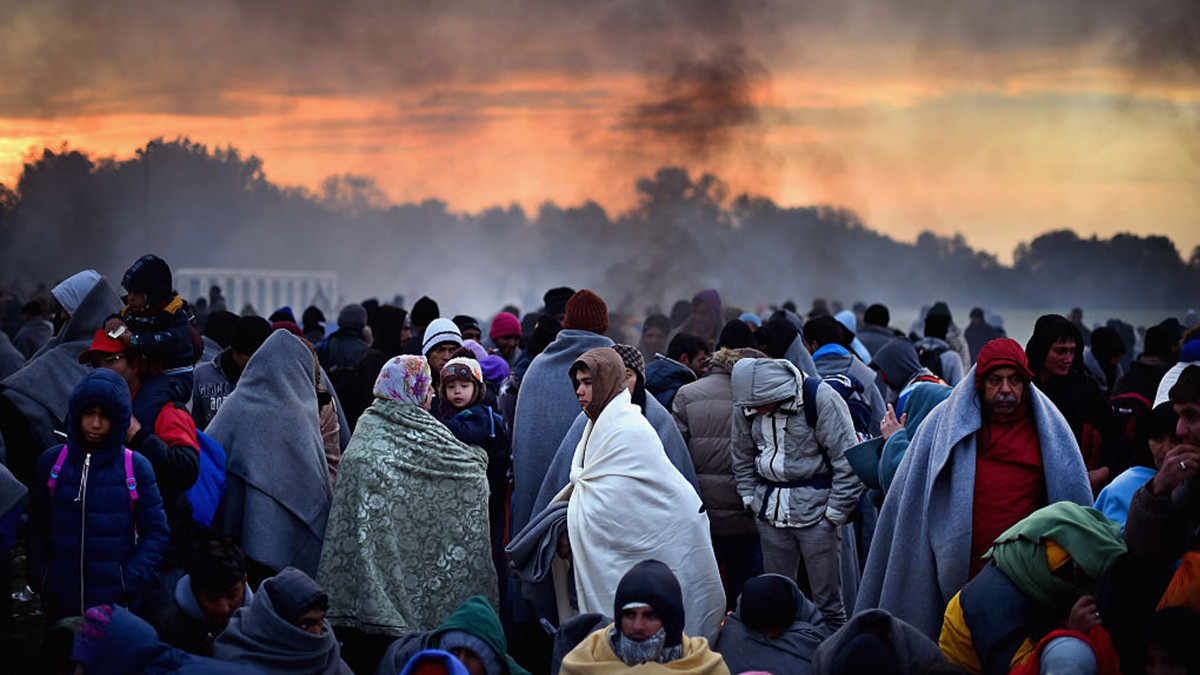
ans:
(628, 503)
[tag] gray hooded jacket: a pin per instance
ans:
(773, 452)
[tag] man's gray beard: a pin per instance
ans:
(633, 652)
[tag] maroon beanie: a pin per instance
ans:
(503, 325)
(586, 311)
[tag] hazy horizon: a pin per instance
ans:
(997, 122)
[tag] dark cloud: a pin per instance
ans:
(63, 57)
(700, 105)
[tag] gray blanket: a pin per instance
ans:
(41, 388)
(790, 652)
(258, 636)
(914, 652)
(546, 408)
(11, 359)
(533, 548)
(278, 492)
(921, 552)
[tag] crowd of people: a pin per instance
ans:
(571, 490)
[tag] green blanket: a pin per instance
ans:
(407, 539)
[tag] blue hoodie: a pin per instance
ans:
(82, 551)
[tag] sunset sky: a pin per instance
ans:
(996, 120)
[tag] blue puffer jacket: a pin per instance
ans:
(82, 551)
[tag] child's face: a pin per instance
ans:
(459, 393)
(95, 425)
(136, 301)
(218, 607)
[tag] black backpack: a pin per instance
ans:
(851, 391)
(932, 358)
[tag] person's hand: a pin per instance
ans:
(1179, 464)
(1098, 478)
(134, 427)
(1084, 615)
(890, 424)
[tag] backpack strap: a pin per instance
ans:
(809, 389)
(130, 479)
(56, 470)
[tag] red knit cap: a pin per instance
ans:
(999, 353)
(503, 325)
(587, 311)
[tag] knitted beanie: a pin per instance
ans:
(768, 602)
(462, 368)
(95, 625)
(424, 311)
(632, 356)
(940, 309)
(352, 314)
(438, 331)
(464, 322)
(736, 335)
(249, 334)
(149, 275)
(586, 311)
(495, 368)
(503, 325)
(555, 300)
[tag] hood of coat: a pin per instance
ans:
(759, 382)
(108, 390)
(608, 377)
(898, 361)
(475, 616)
(662, 371)
(128, 645)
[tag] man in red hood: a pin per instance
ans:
(985, 458)
(1009, 481)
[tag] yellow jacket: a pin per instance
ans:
(594, 656)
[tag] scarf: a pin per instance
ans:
(1092, 541)
(635, 652)
(595, 656)
(405, 378)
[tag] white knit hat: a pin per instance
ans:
(438, 331)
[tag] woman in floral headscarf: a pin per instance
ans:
(407, 539)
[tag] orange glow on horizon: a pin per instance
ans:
(943, 152)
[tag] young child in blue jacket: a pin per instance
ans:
(461, 409)
(97, 528)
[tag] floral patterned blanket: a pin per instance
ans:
(407, 539)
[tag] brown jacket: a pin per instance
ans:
(703, 411)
